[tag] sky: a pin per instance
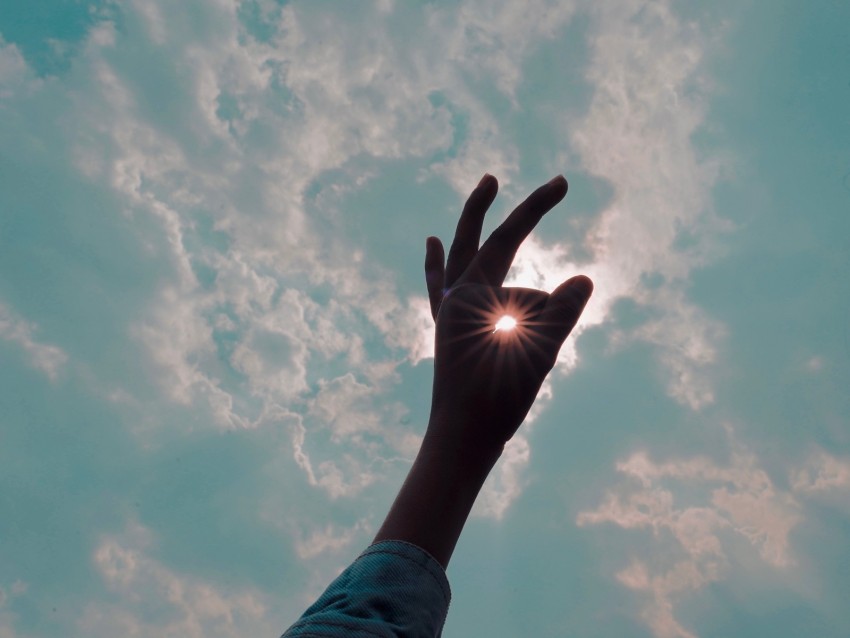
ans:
(215, 343)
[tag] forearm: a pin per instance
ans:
(435, 500)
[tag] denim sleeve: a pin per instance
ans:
(394, 589)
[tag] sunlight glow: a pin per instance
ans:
(505, 323)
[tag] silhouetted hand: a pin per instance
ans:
(486, 379)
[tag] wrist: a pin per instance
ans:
(452, 439)
(435, 500)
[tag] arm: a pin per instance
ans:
(485, 380)
(435, 500)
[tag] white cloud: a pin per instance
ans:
(328, 476)
(47, 358)
(153, 19)
(328, 539)
(167, 175)
(649, 93)
(15, 74)
(273, 361)
(185, 605)
(343, 405)
(686, 339)
(314, 96)
(317, 97)
(822, 473)
(691, 539)
(172, 336)
(180, 342)
(506, 482)
(647, 103)
(486, 38)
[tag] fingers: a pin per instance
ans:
(490, 266)
(468, 233)
(564, 307)
(435, 274)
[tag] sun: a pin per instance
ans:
(505, 323)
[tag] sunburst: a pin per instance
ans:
(505, 323)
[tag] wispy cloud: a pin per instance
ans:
(326, 539)
(254, 123)
(822, 473)
(258, 157)
(691, 534)
(16, 78)
(251, 130)
(47, 358)
(8, 593)
(188, 606)
(649, 98)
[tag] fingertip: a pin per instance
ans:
(559, 185)
(487, 183)
(581, 285)
(576, 289)
(434, 255)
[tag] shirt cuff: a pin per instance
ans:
(394, 588)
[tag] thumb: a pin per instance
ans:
(564, 307)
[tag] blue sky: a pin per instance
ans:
(215, 339)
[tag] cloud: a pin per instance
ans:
(321, 541)
(216, 131)
(649, 92)
(170, 175)
(267, 303)
(329, 476)
(343, 405)
(690, 506)
(273, 361)
(151, 599)
(16, 77)
(649, 97)
(347, 97)
(47, 358)
(822, 473)
(285, 126)
(506, 481)
(494, 38)
(686, 341)
(8, 618)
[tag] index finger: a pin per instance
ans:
(493, 261)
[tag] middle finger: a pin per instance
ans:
(493, 261)
(468, 233)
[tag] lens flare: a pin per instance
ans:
(505, 323)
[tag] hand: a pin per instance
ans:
(485, 380)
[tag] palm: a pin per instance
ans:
(496, 372)
(491, 377)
